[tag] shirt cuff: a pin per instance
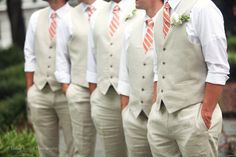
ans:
(29, 67)
(62, 77)
(215, 78)
(155, 79)
(123, 88)
(91, 77)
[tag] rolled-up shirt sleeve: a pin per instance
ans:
(209, 26)
(29, 54)
(91, 75)
(123, 83)
(63, 65)
(155, 79)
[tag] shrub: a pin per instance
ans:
(232, 43)
(11, 56)
(18, 144)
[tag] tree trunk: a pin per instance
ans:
(15, 15)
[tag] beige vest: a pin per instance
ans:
(140, 69)
(45, 51)
(78, 46)
(108, 49)
(181, 67)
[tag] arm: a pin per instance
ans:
(63, 65)
(91, 75)
(212, 94)
(29, 77)
(124, 100)
(154, 98)
(155, 79)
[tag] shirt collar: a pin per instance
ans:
(153, 18)
(173, 3)
(122, 4)
(84, 6)
(61, 11)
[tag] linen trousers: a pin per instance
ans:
(49, 112)
(135, 129)
(106, 114)
(183, 133)
(84, 132)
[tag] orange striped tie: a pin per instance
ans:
(53, 26)
(166, 19)
(115, 20)
(90, 11)
(148, 39)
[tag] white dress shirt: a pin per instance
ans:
(63, 65)
(123, 84)
(206, 28)
(91, 68)
(30, 60)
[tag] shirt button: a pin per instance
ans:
(164, 49)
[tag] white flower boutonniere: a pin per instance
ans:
(179, 20)
(131, 15)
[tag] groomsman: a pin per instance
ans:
(71, 66)
(48, 106)
(136, 76)
(192, 70)
(105, 46)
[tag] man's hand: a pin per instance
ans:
(92, 87)
(64, 87)
(124, 100)
(212, 94)
(154, 97)
(29, 77)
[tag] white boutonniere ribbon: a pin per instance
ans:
(131, 15)
(177, 20)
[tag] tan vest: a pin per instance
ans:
(108, 49)
(181, 67)
(140, 69)
(45, 51)
(78, 46)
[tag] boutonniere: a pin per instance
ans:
(179, 20)
(131, 15)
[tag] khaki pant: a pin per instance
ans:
(135, 130)
(83, 128)
(106, 114)
(49, 112)
(183, 133)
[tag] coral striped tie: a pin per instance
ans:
(166, 19)
(148, 39)
(115, 20)
(53, 26)
(90, 11)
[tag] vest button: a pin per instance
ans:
(141, 101)
(143, 77)
(163, 63)
(164, 49)
(47, 75)
(111, 43)
(111, 66)
(163, 77)
(111, 77)
(49, 66)
(144, 64)
(49, 57)
(162, 91)
(142, 89)
(50, 47)
(110, 55)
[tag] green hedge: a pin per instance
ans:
(232, 43)
(18, 144)
(10, 57)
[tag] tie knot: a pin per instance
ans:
(149, 22)
(116, 8)
(90, 8)
(167, 5)
(53, 15)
